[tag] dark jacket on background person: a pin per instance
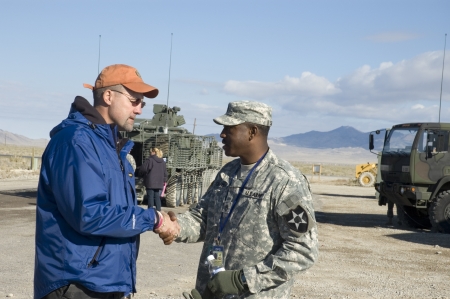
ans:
(154, 172)
(87, 219)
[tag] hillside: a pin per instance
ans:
(15, 139)
(341, 137)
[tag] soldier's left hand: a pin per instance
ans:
(194, 294)
(227, 282)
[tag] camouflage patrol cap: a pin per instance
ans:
(246, 111)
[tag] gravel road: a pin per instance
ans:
(360, 257)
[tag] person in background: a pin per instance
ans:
(154, 172)
(390, 212)
(87, 219)
(257, 214)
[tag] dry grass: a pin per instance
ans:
(337, 182)
(339, 170)
(16, 166)
(7, 149)
(345, 172)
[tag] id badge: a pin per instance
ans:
(218, 253)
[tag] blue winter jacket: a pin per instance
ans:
(87, 219)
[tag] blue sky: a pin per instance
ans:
(319, 64)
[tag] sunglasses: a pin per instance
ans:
(133, 101)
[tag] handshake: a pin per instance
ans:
(167, 227)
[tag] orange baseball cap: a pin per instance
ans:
(124, 75)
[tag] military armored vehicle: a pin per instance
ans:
(415, 172)
(192, 161)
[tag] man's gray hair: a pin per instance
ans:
(98, 93)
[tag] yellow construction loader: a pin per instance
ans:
(366, 173)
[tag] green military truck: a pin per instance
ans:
(415, 173)
(192, 160)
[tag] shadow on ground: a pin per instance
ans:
(356, 220)
(347, 195)
(425, 238)
(18, 198)
(27, 193)
(419, 236)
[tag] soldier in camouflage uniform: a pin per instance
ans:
(270, 235)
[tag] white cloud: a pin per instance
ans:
(367, 98)
(392, 37)
(403, 91)
(308, 85)
(417, 79)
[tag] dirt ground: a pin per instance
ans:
(360, 257)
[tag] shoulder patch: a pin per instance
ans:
(297, 219)
(295, 214)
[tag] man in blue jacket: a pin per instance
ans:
(87, 219)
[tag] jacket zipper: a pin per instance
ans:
(97, 252)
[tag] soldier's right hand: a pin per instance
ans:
(170, 229)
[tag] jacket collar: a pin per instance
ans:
(82, 113)
(81, 105)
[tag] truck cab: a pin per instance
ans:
(415, 173)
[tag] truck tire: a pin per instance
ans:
(439, 212)
(412, 218)
(366, 179)
(171, 191)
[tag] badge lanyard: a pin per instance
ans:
(241, 189)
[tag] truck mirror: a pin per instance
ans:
(371, 147)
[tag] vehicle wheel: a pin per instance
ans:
(366, 179)
(171, 191)
(413, 218)
(439, 212)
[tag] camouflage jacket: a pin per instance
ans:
(271, 234)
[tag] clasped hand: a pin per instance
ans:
(169, 229)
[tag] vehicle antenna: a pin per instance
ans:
(168, 84)
(442, 78)
(98, 65)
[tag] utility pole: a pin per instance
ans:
(99, 44)
(193, 130)
(442, 78)
(166, 129)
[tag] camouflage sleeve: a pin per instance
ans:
(296, 222)
(193, 222)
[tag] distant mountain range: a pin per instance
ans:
(344, 136)
(15, 139)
